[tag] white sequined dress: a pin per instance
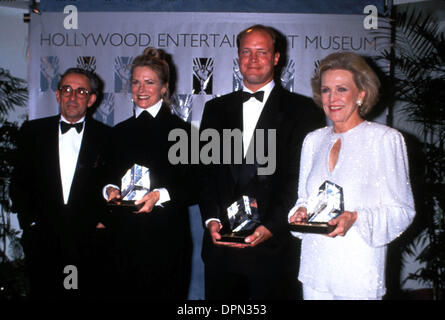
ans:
(372, 168)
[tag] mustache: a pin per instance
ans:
(72, 104)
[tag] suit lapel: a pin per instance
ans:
(236, 112)
(51, 153)
(235, 119)
(271, 118)
(271, 114)
(84, 157)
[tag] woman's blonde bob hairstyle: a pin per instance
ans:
(364, 77)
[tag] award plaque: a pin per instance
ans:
(135, 184)
(326, 205)
(243, 219)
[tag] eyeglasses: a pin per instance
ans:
(81, 93)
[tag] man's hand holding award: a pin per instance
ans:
(244, 227)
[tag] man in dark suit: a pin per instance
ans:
(265, 265)
(56, 191)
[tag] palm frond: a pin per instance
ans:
(13, 92)
(417, 58)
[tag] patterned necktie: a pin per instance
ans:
(259, 95)
(64, 126)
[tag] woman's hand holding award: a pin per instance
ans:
(327, 204)
(135, 184)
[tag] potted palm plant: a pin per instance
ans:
(13, 92)
(417, 58)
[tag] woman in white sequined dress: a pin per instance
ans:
(369, 161)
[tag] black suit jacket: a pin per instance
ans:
(150, 246)
(292, 117)
(146, 143)
(50, 227)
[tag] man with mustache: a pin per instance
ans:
(55, 190)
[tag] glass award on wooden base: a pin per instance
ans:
(135, 184)
(326, 205)
(243, 219)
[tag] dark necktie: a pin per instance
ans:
(64, 126)
(259, 95)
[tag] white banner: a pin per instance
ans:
(202, 47)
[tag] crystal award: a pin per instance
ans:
(135, 184)
(243, 218)
(327, 204)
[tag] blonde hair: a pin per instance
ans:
(364, 78)
(260, 28)
(155, 60)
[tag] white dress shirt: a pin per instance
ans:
(252, 109)
(164, 196)
(69, 146)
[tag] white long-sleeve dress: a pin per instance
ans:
(372, 168)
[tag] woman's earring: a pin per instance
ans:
(359, 103)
